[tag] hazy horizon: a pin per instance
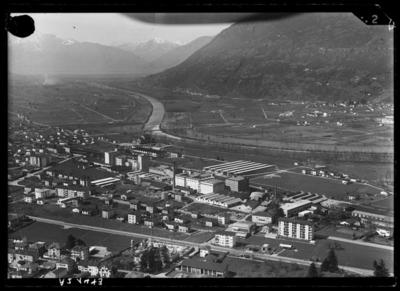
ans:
(115, 29)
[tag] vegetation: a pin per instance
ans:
(154, 259)
(330, 263)
(73, 241)
(312, 271)
(380, 269)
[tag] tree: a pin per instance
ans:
(312, 271)
(330, 263)
(165, 257)
(380, 269)
(80, 242)
(71, 240)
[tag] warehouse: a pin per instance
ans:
(238, 168)
(290, 209)
(219, 200)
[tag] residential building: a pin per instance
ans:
(42, 193)
(81, 252)
(134, 217)
(297, 229)
(107, 213)
(225, 239)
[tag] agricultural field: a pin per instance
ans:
(284, 122)
(329, 187)
(72, 102)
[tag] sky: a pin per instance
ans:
(116, 28)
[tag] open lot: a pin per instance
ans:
(299, 182)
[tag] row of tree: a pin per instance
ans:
(330, 264)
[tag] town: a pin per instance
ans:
(150, 210)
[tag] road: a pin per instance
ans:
(15, 182)
(234, 252)
(357, 242)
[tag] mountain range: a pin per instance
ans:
(307, 56)
(48, 54)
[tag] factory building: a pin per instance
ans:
(219, 200)
(291, 209)
(237, 184)
(211, 186)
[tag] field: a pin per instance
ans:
(299, 182)
(248, 268)
(73, 102)
(351, 255)
(263, 120)
(55, 233)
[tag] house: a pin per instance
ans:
(134, 204)
(42, 193)
(56, 274)
(209, 223)
(183, 228)
(66, 263)
(107, 213)
(79, 252)
(134, 217)
(149, 222)
(28, 267)
(121, 217)
(90, 266)
(171, 226)
(29, 198)
(38, 247)
(75, 210)
(225, 239)
(54, 251)
(108, 201)
(223, 219)
(89, 211)
(150, 209)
